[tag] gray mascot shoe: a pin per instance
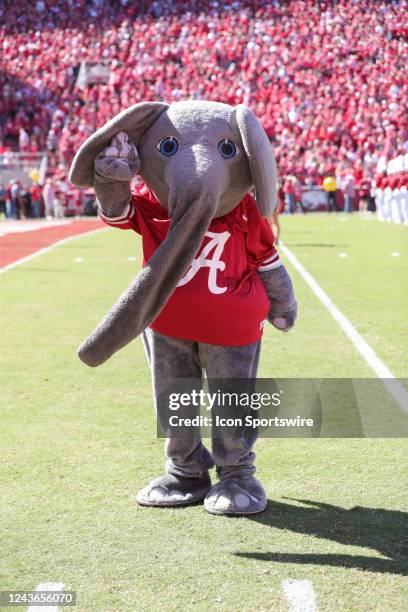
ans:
(236, 497)
(172, 490)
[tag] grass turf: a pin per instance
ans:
(77, 444)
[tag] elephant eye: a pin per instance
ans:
(168, 146)
(227, 149)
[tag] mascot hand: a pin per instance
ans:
(119, 161)
(283, 307)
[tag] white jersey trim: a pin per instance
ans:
(271, 266)
(123, 218)
(271, 259)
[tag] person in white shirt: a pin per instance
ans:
(349, 191)
(49, 198)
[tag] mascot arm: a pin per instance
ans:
(114, 167)
(283, 306)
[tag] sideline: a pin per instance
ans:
(380, 369)
(46, 249)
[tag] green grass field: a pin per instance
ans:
(76, 443)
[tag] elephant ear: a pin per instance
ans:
(261, 159)
(134, 121)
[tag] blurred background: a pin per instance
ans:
(327, 79)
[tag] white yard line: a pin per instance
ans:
(300, 595)
(380, 369)
(18, 262)
(47, 586)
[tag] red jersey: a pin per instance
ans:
(220, 299)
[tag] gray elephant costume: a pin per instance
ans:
(198, 161)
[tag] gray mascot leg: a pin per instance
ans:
(238, 492)
(186, 480)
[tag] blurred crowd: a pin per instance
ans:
(327, 79)
(56, 199)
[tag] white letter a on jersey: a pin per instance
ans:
(216, 244)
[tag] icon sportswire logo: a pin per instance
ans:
(216, 245)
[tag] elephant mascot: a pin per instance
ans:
(211, 276)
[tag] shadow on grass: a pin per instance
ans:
(385, 531)
(316, 244)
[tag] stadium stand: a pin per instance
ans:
(326, 78)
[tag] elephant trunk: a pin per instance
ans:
(192, 206)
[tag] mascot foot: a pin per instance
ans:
(236, 496)
(172, 490)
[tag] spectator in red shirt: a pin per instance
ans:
(327, 79)
(36, 200)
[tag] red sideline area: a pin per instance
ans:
(15, 246)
